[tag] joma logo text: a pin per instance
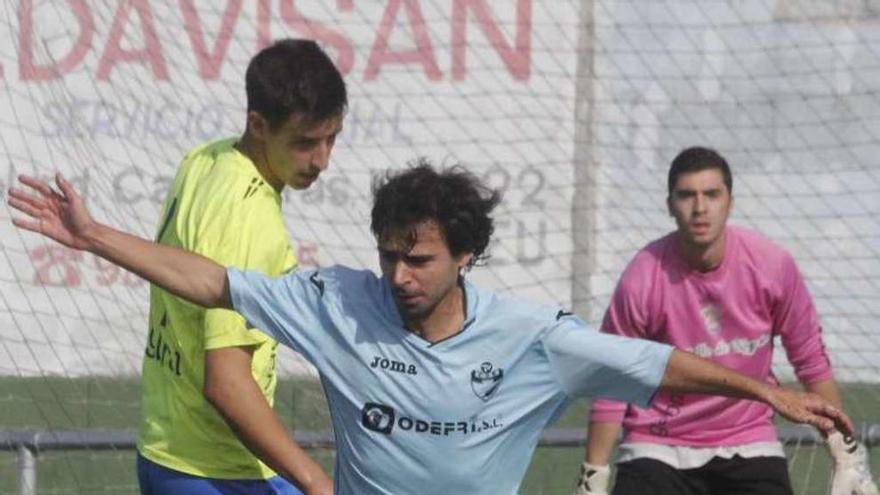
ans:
(392, 365)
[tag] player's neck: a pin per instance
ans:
(444, 320)
(256, 154)
(704, 258)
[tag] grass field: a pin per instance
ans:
(109, 404)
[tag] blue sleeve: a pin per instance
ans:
(593, 364)
(289, 308)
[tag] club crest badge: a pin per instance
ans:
(711, 314)
(485, 381)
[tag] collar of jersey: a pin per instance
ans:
(245, 164)
(470, 300)
(719, 271)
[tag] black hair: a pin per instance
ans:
(453, 197)
(294, 76)
(697, 159)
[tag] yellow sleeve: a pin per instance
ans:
(245, 233)
(226, 328)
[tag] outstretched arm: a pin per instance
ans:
(62, 216)
(687, 372)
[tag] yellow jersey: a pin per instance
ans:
(220, 207)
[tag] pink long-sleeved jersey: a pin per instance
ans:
(729, 315)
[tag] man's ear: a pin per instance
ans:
(464, 260)
(257, 126)
(669, 205)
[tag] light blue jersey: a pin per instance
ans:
(462, 415)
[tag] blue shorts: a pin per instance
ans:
(159, 480)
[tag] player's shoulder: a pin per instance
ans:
(342, 274)
(646, 262)
(660, 247)
(210, 152)
(515, 313)
(757, 247)
(218, 182)
(343, 280)
(220, 172)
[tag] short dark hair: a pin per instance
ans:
(697, 159)
(453, 197)
(294, 76)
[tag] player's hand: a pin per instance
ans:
(61, 216)
(811, 409)
(852, 476)
(593, 480)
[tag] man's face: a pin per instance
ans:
(422, 275)
(298, 151)
(700, 203)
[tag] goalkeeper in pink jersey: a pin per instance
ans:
(723, 293)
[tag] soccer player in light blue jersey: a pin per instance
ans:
(435, 386)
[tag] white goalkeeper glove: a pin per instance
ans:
(593, 480)
(852, 476)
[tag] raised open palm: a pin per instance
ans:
(61, 216)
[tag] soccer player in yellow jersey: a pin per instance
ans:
(208, 381)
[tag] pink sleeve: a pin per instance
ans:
(624, 317)
(795, 320)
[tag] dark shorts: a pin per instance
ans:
(159, 480)
(736, 476)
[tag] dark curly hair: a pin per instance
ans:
(294, 76)
(453, 197)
